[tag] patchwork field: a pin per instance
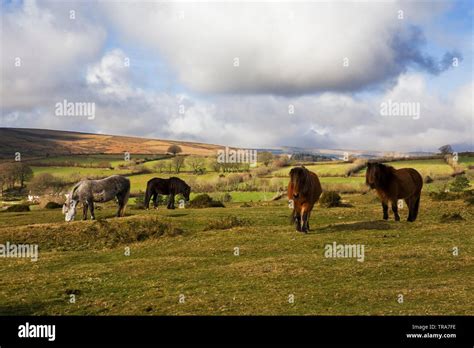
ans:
(245, 258)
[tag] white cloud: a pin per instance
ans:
(282, 48)
(282, 58)
(52, 48)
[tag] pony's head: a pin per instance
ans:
(69, 208)
(377, 175)
(298, 178)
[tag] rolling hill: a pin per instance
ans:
(42, 142)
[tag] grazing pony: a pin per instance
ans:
(393, 184)
(304, 190)
(89, 191)
(171, 187)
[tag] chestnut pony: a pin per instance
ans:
(393, 184)
(304, 190)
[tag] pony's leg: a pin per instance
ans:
(385, 210)
(122, 200)
(307, 220)
(416, 207)
(395, 209)
(155, 200)
(171, 201)
(297, 220)
(91, 208)
(410, 203)
(304, 222)
(147, 198)
(84, 210)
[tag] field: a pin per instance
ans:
(245, 258)
(274, 262)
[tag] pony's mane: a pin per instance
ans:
(303, 175)
(386, 174)
(73, 190)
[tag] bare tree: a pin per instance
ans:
(197, 163)
(160, 166)
(178, 162)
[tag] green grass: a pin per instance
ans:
(322, 169)
(431, 167)
(67, 172)
(468, 161)
(413, 259)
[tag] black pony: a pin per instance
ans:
(171, 187)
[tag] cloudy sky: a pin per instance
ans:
(249, 74)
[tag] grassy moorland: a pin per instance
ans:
(184, 252)
(244, 259)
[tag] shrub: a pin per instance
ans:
(449, 217)
(226, 223)
(205, 201)
(356, 167)
(226, 197)
(330, 199)
(459, 184)
(443, 196)
(52, 205)
(428, 179)
(17, 208)
(46, 183)
(468, 197)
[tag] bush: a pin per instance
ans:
(356, 167)
(226, 197)
(443, 196)
(17, 208)
(205, 201)
(330, 199)
(52, 205)
(468, 197)
(428, 179)
(226, 223)
(459, 184)
(46, 183)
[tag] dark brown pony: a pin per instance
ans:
(171, 187)
(304, 190)
(393, 184)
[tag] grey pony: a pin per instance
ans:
(89, 191)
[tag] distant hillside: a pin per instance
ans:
(42, 142)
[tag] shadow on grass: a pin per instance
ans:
(31, 308)
(356, 226)
(177, 215)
